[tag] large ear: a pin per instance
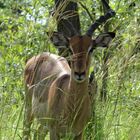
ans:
(58, 39)
(104, 39)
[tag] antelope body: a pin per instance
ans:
(56, 93)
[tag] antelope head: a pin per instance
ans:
(82, 47)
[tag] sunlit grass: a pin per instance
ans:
(116, 119)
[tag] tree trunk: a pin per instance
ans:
(70, 19)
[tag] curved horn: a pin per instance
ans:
(71, 28)
(101, 20)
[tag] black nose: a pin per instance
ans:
(79, 76)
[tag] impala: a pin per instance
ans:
(56, 93)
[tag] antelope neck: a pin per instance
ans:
(77, 88)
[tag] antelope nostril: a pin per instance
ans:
(80, 76)
(83, 74)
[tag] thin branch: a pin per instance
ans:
(86, 9)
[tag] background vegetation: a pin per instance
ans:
(23, 27)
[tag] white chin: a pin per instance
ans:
(79, 80)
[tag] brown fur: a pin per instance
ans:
(56, 97)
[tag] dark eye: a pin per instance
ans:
(90, 50)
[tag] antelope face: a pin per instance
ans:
(82, 45)
(81, 48)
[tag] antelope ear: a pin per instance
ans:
(104, 39)
(59, 40)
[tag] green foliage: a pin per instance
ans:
(23, 27)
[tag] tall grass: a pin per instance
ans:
(116, 119)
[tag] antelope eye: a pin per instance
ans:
(90, 50)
